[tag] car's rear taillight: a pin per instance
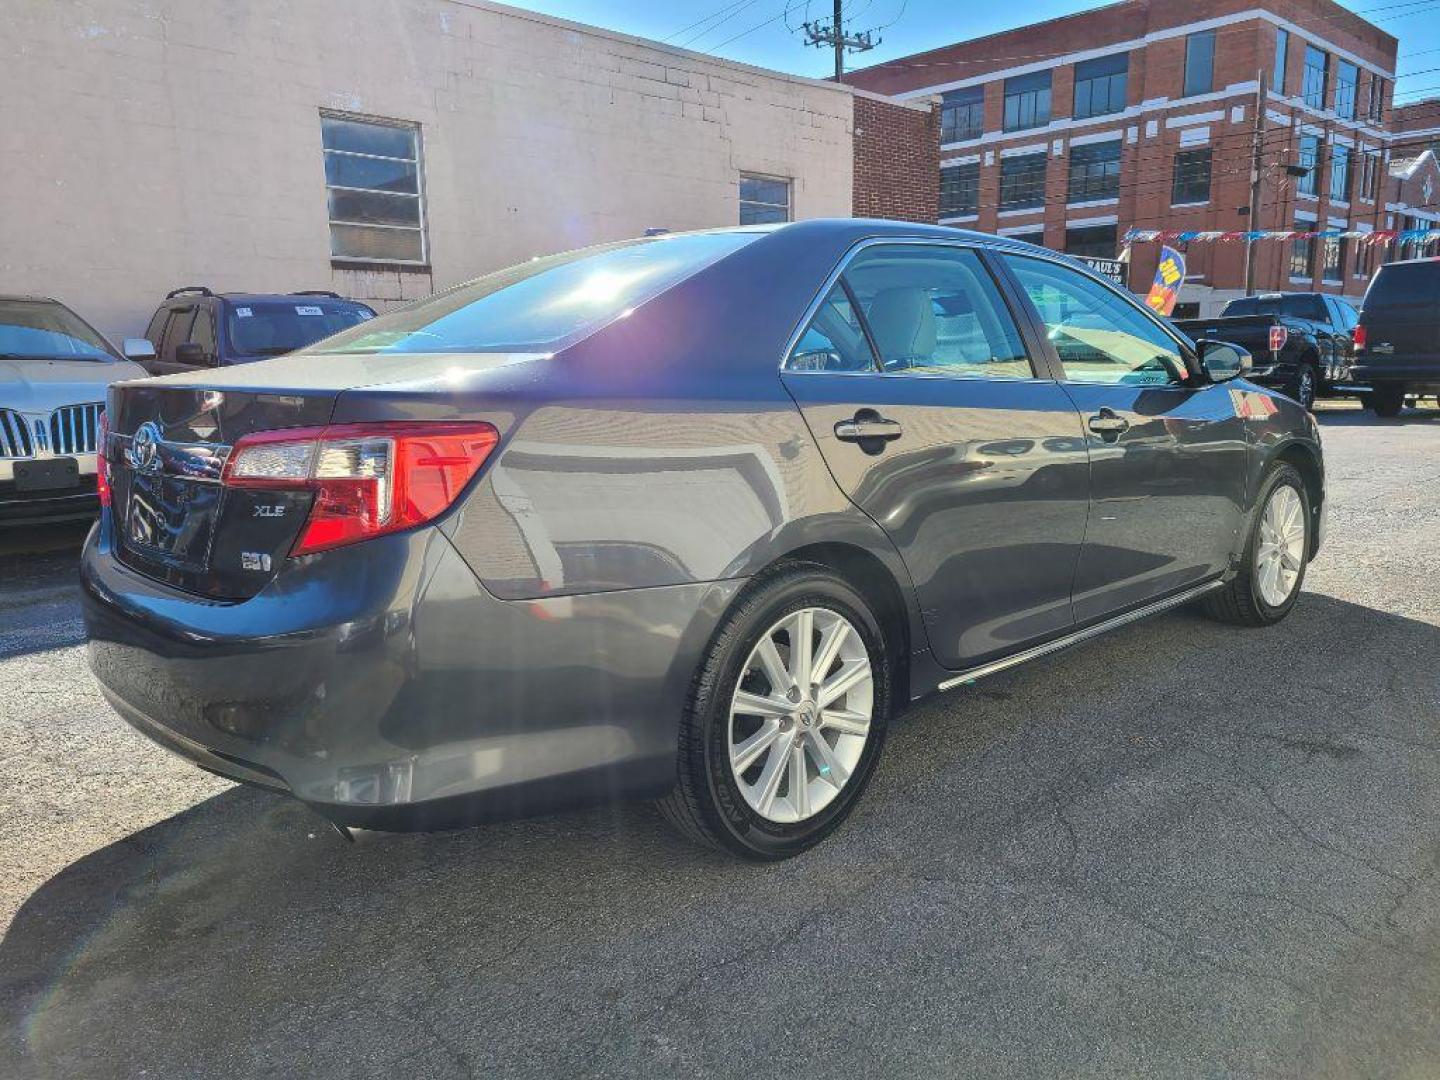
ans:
(368, 479)
(1361, 337)
(102, 466)
(1278, 336)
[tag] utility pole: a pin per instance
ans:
(833, 35)
(1257, 160)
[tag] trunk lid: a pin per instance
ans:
(170, 438)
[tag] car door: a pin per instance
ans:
(1167, 449)
(916, 381)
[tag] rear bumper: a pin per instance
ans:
(384, 686)
(1420, 374)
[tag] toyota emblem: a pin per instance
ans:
(143, 454)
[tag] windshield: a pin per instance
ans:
(272, 327)
(46, 330)
(544, 304)
(1297, 307)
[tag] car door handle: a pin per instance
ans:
(868, 425)
(1107, 422)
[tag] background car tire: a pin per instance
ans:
(1305, 385)
(1386, 401)
(708, 804)
(1241, 601)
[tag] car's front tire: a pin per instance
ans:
(1277, 551)
(786, 717)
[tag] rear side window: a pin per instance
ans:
(1297, 306)
(177, 328)
(1404, 285)
(542, 305)
(273, 327)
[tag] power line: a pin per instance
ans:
(832, 35)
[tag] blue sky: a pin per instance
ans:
(767, 32)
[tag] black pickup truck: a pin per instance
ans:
(1301, 343)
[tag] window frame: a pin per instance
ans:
(741, 201)
(1044, 170)
(1307, 245)
(1280, 65)
(960, 167)
(1333, 245)
(1338, 154)
(1185, 85)
(423, 225)
(1016, 306)
(1025, 92)
(1309, 184)
(1346, 99)
(1308, 91)
(1108, 78)
(1115, 146)
(1176, 198)
(973, 96)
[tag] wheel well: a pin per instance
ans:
(877, 584)
(1309, 470)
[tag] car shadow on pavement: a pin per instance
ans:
(1180, 849)
(1334, 417)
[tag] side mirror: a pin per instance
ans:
(191, 352)
(1223, 361)
(138, 348)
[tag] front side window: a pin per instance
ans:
(1091, 241)
(1200, 63)
(1347, 88)
(1302, 252)
(1340, 174)
(1100, 85)
(1282, 49)
(1094, 171)
(373, 189)
(960, 190)
(1191, 180)
(1099, 335)
(764, 200)
(541, 305)
(1317, 75)
(1027, 101)
(45, 330)
(1309, 184)
(962, 114)
(1022, 181)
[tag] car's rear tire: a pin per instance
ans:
(1387, 401)
(753, 778)
(1277, 552)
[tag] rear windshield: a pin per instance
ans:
(45, 330)
(1405, 283)
(272, 327)
(544, 304)
(1298, 307)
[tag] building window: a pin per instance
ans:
(1332, 263)
(959, 189)
(962, 114)
(1037, 237)
(1095, 242)
(1192, 178)
(1317, 75)
(1022, 181)
(1376, 104)
(1340, 173)
(1302, 252)
(1200, 63)
(1100, 85)
(1347, 88)
(1027, 101)
(764, 200)
(373, 186)
(1094, 171)
(1277, 73)
(1369, 174)
(1309, 184)
(1364, 259)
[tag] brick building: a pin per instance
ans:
(1145, 113)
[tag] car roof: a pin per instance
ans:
(21, 299)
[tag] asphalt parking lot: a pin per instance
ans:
(1182, 850)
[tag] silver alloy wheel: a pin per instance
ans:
(800, 717)
(1281, 551)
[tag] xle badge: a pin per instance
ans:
(266, 511)
(254, 560)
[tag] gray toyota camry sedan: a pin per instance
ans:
(687, 517)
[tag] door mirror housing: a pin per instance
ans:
(191, 352)
(138, 348)
(1223, 361)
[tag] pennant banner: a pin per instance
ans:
(1382, 237)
